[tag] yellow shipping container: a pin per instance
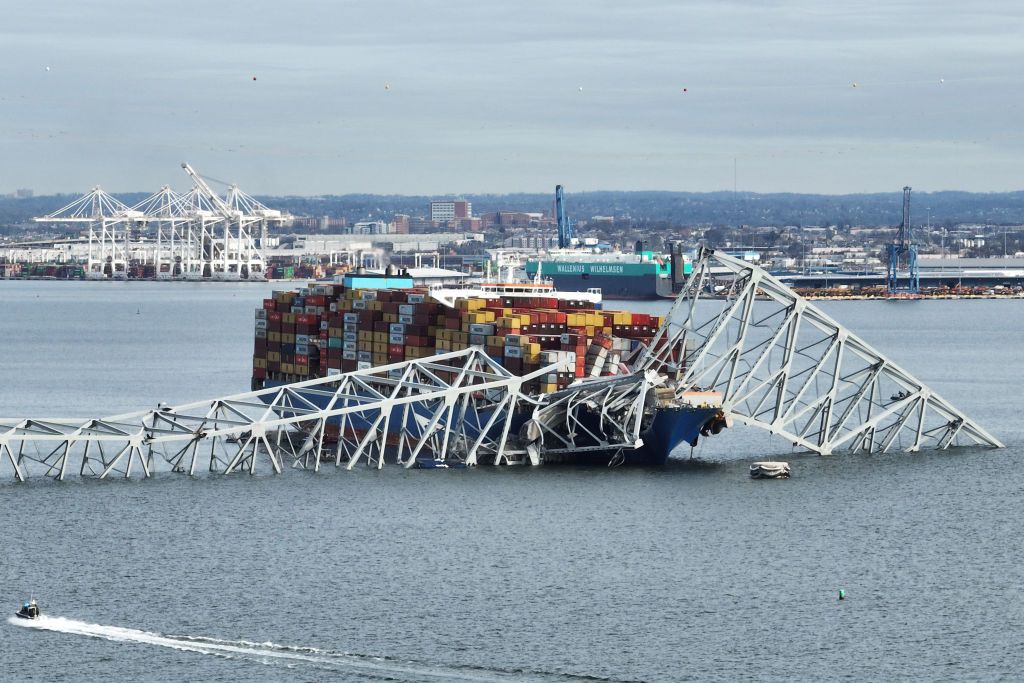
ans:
(288, 368)
(380, 337)
(287, 338)
(274, 356)
(391, 317)
(380, 347)
(364, 345)
(365, 335)
(259, 362)
(274, 337)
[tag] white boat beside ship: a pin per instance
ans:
(769, 470)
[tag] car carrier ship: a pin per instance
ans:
(619, 275)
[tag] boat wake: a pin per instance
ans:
(371, 666)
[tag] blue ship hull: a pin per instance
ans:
(670, 428)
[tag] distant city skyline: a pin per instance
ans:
(463, 98)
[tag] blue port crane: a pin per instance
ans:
(566, 234)
(903, 250)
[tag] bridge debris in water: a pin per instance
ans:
(785, 366)
(777, 361)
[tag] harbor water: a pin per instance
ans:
(692, 571)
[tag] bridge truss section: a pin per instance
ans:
(457, 408)
(785, 366)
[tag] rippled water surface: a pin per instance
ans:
(688, 572)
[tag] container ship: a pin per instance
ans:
(369, 321)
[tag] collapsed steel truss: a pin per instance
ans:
(785, 366)
(453, 408)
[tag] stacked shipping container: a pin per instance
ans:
(329, 329)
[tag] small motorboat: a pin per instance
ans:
(30, 610)
(769, 470)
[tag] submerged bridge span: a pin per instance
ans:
(458, 407)
(779, 363)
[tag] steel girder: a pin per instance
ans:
(787, 367)
(606, 415)
(444, 407)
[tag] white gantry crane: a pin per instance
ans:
(109, 223)
(197, 235)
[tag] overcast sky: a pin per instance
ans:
(470, 96)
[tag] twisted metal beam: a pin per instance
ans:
(785, 366)
(458, 407)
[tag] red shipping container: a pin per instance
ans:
(259, 373)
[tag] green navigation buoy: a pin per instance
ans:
(842, 594)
